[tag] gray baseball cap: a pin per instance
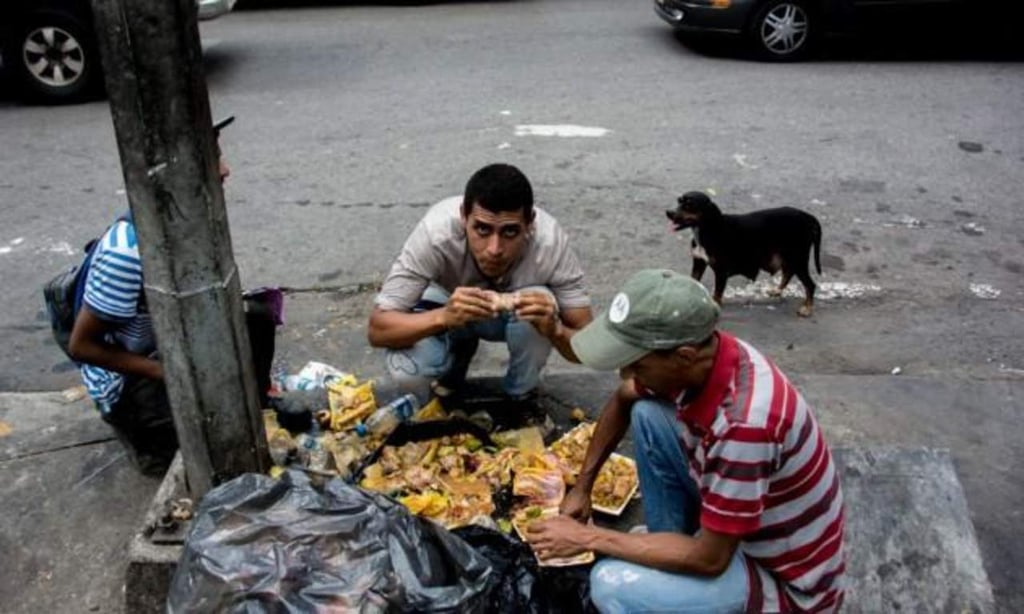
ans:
(657, 309)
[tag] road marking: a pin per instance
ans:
(741, 159)
(905, 221)
(562, 130)
(985, 291)
(61, 248)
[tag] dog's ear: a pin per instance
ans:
(694, 199)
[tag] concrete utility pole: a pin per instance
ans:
(154, 75)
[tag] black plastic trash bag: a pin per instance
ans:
(519, 585)
(515, 585)
(264, 545)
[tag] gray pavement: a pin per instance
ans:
(71, 502)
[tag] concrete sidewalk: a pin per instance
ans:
(71, 502)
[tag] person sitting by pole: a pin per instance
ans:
(487, 266)
(114, 342)
(741, 498)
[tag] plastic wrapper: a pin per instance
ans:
(264, 545)
(528, 439)
(543, 487)
(316, 375)
(431, 411)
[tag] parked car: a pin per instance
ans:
(49, 47)
(783, 30)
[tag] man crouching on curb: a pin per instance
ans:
(740, 494)
(486, 266)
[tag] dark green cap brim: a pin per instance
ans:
(599, 348)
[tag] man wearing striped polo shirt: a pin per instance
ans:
(741, 497)
(113, 339)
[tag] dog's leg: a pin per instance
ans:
(700, 260)
(808, 307)
(720, 280)
(777, 292)
(699, 266)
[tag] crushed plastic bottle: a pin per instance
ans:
(386, 419)
(311, 450)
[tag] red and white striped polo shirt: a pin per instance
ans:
(766, 475)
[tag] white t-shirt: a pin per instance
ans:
(437, 252)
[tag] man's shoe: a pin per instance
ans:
(528, 409)
(440, 390)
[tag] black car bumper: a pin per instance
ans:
(700, 16)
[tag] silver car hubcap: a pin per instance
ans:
(53, 56)
(784, 29)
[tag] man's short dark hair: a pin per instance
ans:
(499, 188)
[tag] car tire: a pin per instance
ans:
(53, 57)
(784, 30)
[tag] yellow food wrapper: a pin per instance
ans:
(535, 460)
(346, 418)
(340, 395)
(526, 439)
(431, 411)
(430, 503)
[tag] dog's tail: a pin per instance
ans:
(816, 239)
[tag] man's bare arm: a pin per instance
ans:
(611, 427)
(570, 321)
(401, 329)
(541, 310)
(707, 554)
(88, 345)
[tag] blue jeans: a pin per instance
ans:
(446, 357)
(671, 504)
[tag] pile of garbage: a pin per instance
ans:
(424, 515)
(326, 421)
(448, 467)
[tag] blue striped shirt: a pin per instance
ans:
(113, 292)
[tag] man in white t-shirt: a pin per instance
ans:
(486, 266)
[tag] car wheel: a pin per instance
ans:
(54, 57)
(783, 30)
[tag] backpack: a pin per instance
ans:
(64, 293)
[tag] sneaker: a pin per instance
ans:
(440, 390)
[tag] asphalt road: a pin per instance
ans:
(351, 119)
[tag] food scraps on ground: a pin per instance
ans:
(617, 481)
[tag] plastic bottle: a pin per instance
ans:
(387, 418)
(311, 449)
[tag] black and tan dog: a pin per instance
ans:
(769, 240)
